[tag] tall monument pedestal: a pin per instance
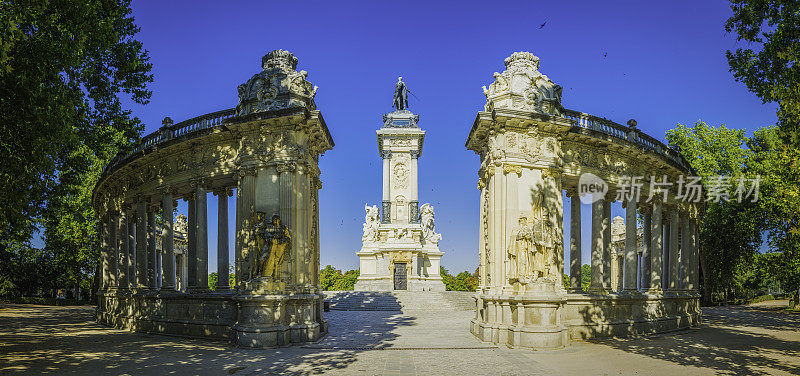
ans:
(400, 246)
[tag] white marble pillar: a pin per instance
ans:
(647, 234)
(152, 255)
(606, 244)
(245, 201)
(141, 245)
(631, 260)
(686, 252)
(191, 247)
(168, 243)
(222, 240)
(201, 236)
(596, 282)
(575, 242)
(692, 261)
(387, 194)
(656, 246)
(674, 251)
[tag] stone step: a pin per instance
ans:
(400, 300)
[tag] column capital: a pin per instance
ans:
(227, 191)
(572, 192)
(246, 171)
(386, 154)
(286, 167)
(414, 154)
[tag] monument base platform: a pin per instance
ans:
(245, 319)
(549, 322)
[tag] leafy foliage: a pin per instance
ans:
(332, 279)
(63, 67)
(213, 278)
(770, 68)
(463, 281)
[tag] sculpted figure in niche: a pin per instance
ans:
(520, 246)
(544, 242)
(371, 222)
(273, 240)
(428, 226)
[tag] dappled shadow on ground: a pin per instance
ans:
(49, 340)
(731, 340)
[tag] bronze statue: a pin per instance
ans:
(400, 95)
(273, 240)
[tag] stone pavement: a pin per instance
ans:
(65, 340)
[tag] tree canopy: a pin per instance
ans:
(65, 69)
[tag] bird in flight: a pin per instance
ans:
(542, 25)
(605, 55)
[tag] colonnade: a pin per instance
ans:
(131, 260)
(669, 258)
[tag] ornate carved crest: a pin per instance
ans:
(521, 86)
(277, 86)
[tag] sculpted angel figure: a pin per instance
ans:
(371, 222)
(426, 215)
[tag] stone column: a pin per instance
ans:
(631, 259)
(386, 209)
(596, 282)
(646, 253)
(123, 269)
(201, 237)
(104, 252)
(674, 250)
(656, 246)
(607, 244)
(168, 243)
(413, 211)
(692, 261)
(131, 248)
(113, 267)
(685, 253)
(152, 256)
(245, 201)
(287, 200)
(191, 246)
(141, 245)
(222, 240)
(575, 241)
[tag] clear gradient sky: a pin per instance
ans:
(660, 64)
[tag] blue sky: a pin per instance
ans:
(662, 64)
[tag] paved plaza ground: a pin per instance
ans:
(65, 340)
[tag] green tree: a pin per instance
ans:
(347, 281)
(464, 281)
(586, 277)
(730, 231)
(770, 68)
(770, 65)
(329, 277)
(64, 67)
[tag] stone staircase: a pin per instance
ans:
(400, 300)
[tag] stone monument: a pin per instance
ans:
(531, 150)
(400, 248)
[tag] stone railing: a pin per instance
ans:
(626, 133)
(185, 129)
